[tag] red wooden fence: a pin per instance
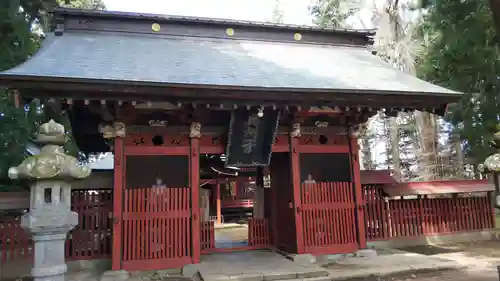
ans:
(15, 243)
(328, 218)
(392, 218)
(258, 233)
(207, 236)
(91, 239)
(156, 228)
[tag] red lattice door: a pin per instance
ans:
(328, 218)
(156, 228)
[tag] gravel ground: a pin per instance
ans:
(463, 275)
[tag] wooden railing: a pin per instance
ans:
(393, 218)
(207, 236)
(237, 203)
(328, 217)
(258, 232)
(91, 239)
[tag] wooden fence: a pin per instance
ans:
(258, 232)
(91, 239)
(389, 218)
(328, 217)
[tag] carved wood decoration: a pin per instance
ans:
(195, 130)
(216, 140)
(156, 140)
(320, 139)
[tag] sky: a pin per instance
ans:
(294, 11)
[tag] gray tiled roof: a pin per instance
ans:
(222, 62)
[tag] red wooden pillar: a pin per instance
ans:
(358, 192)
(118, 187)
(17, 99)
(217, 201)
(194, 180)
(295, 172)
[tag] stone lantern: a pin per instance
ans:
(50, 218)
(492, 165)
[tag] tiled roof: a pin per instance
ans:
(217, 62)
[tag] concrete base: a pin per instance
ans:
(304, 259)
(435, 239)
(98, 265)
(115, 275)
(190, 270)
(366, 253)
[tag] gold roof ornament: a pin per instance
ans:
(229, 32)
(155, 27)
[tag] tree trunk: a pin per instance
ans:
(495, 11)
(427, 131)
(394, 139)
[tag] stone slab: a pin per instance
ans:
(246, 277)
(357, 267)
(115, 275)
(435, 239)
(190, 270)
(366, 253)
(312, 273)
(279, 276)
(304, 259)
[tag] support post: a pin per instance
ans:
(295, 173)
(217, 201)
(358, 193)
(118, 188)
(194, 168)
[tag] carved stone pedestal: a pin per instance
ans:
(50, 217)
(49, 222)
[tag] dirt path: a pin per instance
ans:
(481, 259)
(464, 275)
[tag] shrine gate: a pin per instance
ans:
(162, 94)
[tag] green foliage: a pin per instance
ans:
(18, 41)
(333, 13)
(82, 4)
(461, 54)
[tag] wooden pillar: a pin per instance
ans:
(118, 188)
(194, 180)
(17, 99)
(217, 201)
(295, 173)
(358, 192)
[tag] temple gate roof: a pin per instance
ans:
(125, 49)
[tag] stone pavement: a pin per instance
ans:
(472, 262)
(455, 275)
(232, 237)
(255, 266)
(386, 264)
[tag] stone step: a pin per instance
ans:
(313, 274)
(322, 278)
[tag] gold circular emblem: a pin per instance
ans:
(155, 27)
(297, 36)
(230, 32)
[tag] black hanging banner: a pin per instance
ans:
(251, 137)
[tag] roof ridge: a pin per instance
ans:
(193, 19)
